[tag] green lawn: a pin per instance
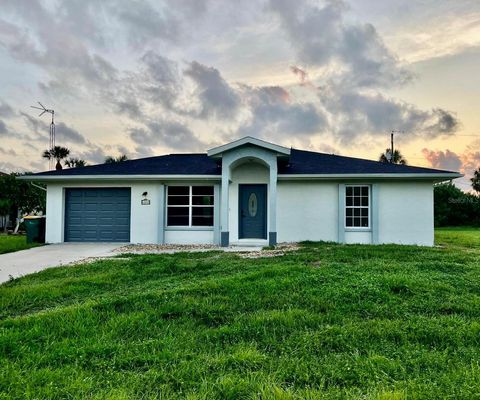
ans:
(10, 243)
(329, 321)
(458, 237)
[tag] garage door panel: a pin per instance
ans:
(76, 207)
(108, 207)
(88, 214)
(93, 214)
(91, 207)
(106, 234)
(123, 236)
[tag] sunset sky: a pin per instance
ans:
(148, 78)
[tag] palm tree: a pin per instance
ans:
(75, 163)
(58, 153)
(397, 157)
(111, 160)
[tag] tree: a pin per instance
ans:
(57, 153)
(75, 163)
(476, 180)
(19, 196)
(453, 207)
(397, 157)
(111, 160)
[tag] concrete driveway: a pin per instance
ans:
(37, 259)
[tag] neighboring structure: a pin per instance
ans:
(247, 191)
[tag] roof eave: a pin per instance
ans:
(143, 177)
(435, 177)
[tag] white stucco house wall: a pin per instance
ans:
(245, 192)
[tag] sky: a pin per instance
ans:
(147, 78)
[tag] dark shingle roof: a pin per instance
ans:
(309, 162)
(300, 162)
(171, 164)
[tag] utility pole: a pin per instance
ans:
(391, 146)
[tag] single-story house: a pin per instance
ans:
(245, 192)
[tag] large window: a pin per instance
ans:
(357, 206)
(190, 206)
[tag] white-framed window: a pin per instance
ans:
(357, 206)
(189, 206)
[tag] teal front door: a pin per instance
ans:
(252, 219)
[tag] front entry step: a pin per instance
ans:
(249, 243)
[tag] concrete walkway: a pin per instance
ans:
(37, 259)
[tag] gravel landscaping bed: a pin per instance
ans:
(164, 248)
(243, 252)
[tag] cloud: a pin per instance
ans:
(168, 80)
(447, 159)
(3, 128)
(320, 36)
(144, 22)
(42, 131)
(352, 66)
(54, 47)
(39, 127)
(301, 73)
(217, 98)
(85, 19)
(164, 133)
(157, 86)
(446, 122)
(9, 152)
(6, 110)
(8, 167)
(275, 116)
(353, 114)
(160, 79)
(466, 162)
(93, 155)
(63, 132)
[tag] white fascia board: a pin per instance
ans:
(119, 177)
(424, 176)
(248, 140)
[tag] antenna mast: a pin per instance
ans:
(391, 146)
(51, 162)
(391, 154)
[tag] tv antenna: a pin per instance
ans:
(52, 128)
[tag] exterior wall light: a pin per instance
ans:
(145, 201)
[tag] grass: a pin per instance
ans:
(326, 322)
(11, 243)
(458, 237)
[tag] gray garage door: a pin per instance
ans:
(97, 215)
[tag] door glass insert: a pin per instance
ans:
(252, 204)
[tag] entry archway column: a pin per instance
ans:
(272, 204)
(224, 229)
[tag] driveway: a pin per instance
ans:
(37, 259)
